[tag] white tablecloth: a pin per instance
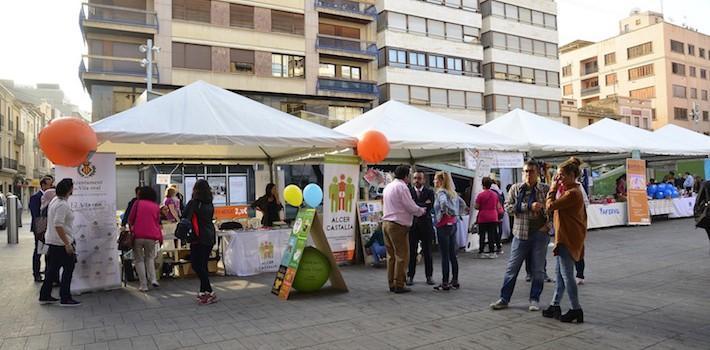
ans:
(606, 215)
(660, 206)
(462, 231)
(682, 207)
(248, 253)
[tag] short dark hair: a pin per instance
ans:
(147, 193)
(45, 180)
(137, 190)
(202, 191)
(401, 172)
(533, 163)
(487, 182)
(672, 172)
(64, 187)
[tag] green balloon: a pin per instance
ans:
(313, 271)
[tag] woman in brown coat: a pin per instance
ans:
(566, 200)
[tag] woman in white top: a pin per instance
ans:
(60, 240)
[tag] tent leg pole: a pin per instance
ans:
(271, 170)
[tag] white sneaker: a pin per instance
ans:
(143, 289)
(580, 281)
(551, 245)
(492, 256)
(499, 305)
(482, 256)
(534, 306)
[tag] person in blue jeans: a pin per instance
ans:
(377, 247)
(525, 201)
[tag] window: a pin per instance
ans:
(396, 21)
(457, 99)
(691, 50)
(344, 113)
(540, 77)
(705, 116)
(436, 29)
(703, 74)
(497, 8)
(349, 72)
(326, 70)
(474, 100)
(287, 66)
(567, 70)
(192, 56)
(192, 10)
(701, 53)
(590, 83)
(644, 93)
(679, 91)
(286, 22)
(610, 79)
(417, 59)
(399, 92)
(418, 95)
(455, 64)
(680, 113)
(565, 120)
(293, 108)
(677, 46)
(438, 97)
(550, 21)
(454, 31)
(645, 123)
(691, 71)
(241, 61)
(341, 31)
(610, 58)
(567, 90)
(678, 68)
(641, 72)
(589, 66)
(704, 95)
(639, 50)
(418, 25)
(694, 93)
(524, 15)
(241, 16)
(519, 44)
(526, 45)
(397, 56)
(436, 62)
(471, 34)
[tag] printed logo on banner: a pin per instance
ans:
(86, 170)
(609, 211)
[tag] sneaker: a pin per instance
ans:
(580, 281)
(402, 290)
(534, 306)
(70, 303)
(551, 245)
(48, 301)
(482, 256)
(208, 298)
(548, 279)
(528, 278)
(155, 284)
(499, 305)
(492, 256)
(410, 281)
(143, 289)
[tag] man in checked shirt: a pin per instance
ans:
(531, 235)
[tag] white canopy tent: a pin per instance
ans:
(637, 138)
(202, 121)
(676, 134)
(416, 134)
(543, 136)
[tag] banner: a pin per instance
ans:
(95, 228)
(249, 253)
(637, 201)
(291, 256)
(493, 160)
(340, 177)
(370, 218)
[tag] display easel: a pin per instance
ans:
(307, 223)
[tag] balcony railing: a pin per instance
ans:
(115, 65)
(351, 86)
(22, 169)
(590, 91)
(8, 163)
(118, 15)
(350, 6)
(19, 138)
(355, 46)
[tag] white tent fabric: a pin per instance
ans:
(678, 134)
(541, 134)
(637, 138)
(204, 121)
(416, 133)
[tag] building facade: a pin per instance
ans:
(632, 111)
(650, 59)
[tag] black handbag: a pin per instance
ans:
(702, 210)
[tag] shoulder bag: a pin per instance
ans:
(185, 230)
(126, 238)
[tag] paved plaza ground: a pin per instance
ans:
(647, 288)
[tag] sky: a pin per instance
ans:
(40, 40)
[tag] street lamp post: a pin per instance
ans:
(147, 62)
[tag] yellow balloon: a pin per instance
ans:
(293, 195)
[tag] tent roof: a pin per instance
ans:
(541, 134)
(637, 138)
(214, 123)
(678, 134)
(424, 134)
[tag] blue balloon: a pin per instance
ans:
(313, 195)
(663, 187)
(660, 195)
(675, 194)
(651, 190)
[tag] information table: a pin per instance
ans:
(660, 206)
(682, 207)
(606, 215)
(251, 252)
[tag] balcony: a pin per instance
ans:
(356, 87)
(96, 17)
(590, 91)
(19, 138)
(122, 69)
(360, 11)
(9, 164)
(353, 48)
(22, 169)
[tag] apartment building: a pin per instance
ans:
(629, 110)
(430, 56)
(520, 57)
(649, 59)
(299, 56)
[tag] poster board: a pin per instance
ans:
(95, 227)
(307, 223)
(370, 220)
(637, 200)
(340, 177)
(231, 212)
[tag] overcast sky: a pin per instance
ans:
(41, 42)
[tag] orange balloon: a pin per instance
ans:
(373, 146)
(67, 141)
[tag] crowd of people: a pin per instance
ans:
(538, 210)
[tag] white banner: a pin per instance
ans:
(248, 253)
(95, 228)
(606, 215)
(340, 190)
(493, 160)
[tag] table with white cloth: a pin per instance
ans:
(607, 215)
(660, 206)
(462, 230)
(682, 207)
(251, 252)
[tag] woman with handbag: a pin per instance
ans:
(144, 221)
(447, 206)
(200, 211)
(490, 212)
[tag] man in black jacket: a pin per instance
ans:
(34, 205)
(422, 229)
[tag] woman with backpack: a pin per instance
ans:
(447, 207)
(200, 211)
(144, 221)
